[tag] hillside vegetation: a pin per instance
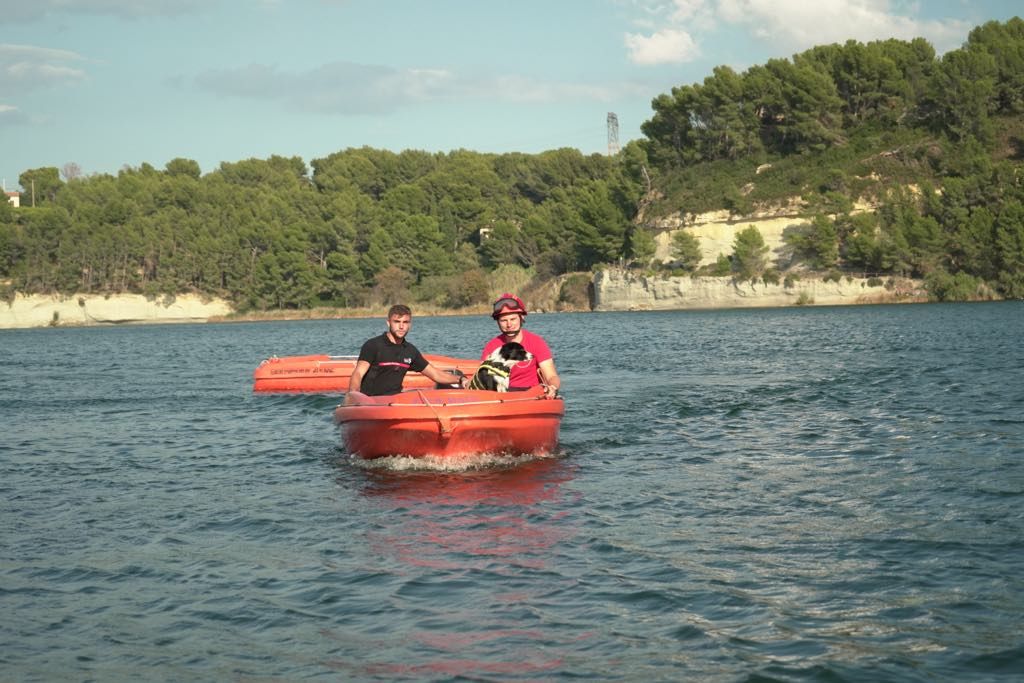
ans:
(936, 143)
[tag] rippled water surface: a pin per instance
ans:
(827, 494)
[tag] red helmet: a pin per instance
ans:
(508, 303)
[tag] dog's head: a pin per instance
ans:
(509, 354)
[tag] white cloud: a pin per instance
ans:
(11, 115)
(21, 10)
(9, 51)
(27, 67)
(354, 89)
(796, 25)
(338, 87)
(684, 10)
(788, 26)
(666, 46)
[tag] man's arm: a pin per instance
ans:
(442, 377)
(355, 381)
(549, 377)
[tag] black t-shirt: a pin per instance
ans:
(388, 365)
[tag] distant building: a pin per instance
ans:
(14, 198)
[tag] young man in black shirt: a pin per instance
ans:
(384, 360)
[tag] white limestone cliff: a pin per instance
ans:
(86, 309)
(622, 290)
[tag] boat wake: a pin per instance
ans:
(447, 463)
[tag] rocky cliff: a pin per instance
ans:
(40, 311)
(716, 230)
(621, 290)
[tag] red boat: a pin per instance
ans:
(450, 422)
(325, 374)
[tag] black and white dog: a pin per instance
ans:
(494, 371)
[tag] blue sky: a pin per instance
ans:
(109, 83)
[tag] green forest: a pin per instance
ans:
(937, 143)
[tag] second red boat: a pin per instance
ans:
(316, 374)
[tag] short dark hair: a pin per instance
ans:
(399, 310)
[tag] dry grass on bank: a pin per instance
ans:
(324, 313)
(540, 296)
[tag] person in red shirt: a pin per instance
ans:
(510, 312)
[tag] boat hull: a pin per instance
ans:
(447, 423)
(322, 374)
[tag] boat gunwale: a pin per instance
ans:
(398, 411)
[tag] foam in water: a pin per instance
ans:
(448, 463)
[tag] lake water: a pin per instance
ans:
(825, 494)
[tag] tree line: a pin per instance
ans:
(817, 99)
(937, 143)
(362, 225)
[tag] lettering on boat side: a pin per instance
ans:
(302, 371)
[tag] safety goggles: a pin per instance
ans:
(501, 304)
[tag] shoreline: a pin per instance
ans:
(339, 314)
(624, 295)
(92, 310)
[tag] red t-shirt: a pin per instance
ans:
(524, 374)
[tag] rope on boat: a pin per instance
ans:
(444, 422)
(445, 404)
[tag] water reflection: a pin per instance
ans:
(450, 537)
(470, 480)
(467, 519)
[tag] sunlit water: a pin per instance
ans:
(831, 494)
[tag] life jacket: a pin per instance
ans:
(488, 368)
